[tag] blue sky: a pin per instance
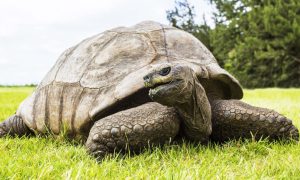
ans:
(33, 33)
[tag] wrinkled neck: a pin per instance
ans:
(190, 109)
(196, 113)
(214, 89)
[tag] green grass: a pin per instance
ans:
(49, 158)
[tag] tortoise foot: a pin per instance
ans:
(134, 129)
(233, 119)
(14, 126)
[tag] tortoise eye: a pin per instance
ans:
(165, 71)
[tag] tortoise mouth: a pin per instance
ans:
(165, 86)
(161, 84)
(154, 86)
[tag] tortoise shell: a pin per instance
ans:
(97, 76)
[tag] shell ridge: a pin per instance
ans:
(61, 106)
(153, 46)
(165, 42)
(72, 49)
(34, 109)
(76, 102)
(93, 104)
(93, 58)
(47, 124)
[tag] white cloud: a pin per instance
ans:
(33, 32)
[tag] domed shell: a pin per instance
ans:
(96, 74)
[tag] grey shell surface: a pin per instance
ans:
(93, 76)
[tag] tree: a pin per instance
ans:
(259, 41)
(182, 17)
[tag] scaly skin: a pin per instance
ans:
(14, 126)
(233, 119)
(178, 87)
(133, 129)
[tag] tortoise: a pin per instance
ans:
(129, 87)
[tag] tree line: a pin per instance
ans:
(258, 41)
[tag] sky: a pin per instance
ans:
(33, 33)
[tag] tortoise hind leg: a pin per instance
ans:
(14, 126)
(233, 119)
(133, 129)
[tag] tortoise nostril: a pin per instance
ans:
(146, 78)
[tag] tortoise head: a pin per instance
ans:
(170, 84)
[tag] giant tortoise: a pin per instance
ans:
(129, 87)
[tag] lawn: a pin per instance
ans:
(49, 158)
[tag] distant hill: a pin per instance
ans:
(25, 85)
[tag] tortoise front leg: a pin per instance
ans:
(14, 126)
(133, 129)
(234, 119)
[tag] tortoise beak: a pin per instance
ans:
(148, 81)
